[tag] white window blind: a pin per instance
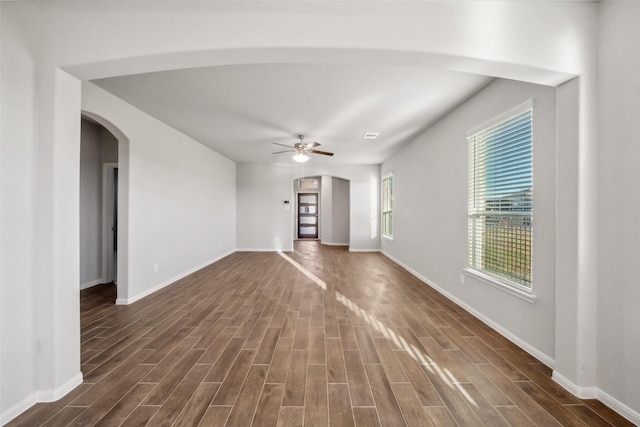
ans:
(500, 198)
(387, 206)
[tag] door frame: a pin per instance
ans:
(108, 188)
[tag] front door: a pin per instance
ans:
(307, 215)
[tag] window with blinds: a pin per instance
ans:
(387, 206)
(500, 198)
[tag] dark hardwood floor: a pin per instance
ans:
(316, 337)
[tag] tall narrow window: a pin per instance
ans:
(387, 206)
(500, 198)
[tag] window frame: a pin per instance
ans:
(494, 279)
(384, 206)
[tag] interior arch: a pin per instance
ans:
(311, 55)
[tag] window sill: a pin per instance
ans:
(502, 285)
(389, 238)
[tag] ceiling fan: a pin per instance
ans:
(302, 150)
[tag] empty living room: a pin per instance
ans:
(345, 213)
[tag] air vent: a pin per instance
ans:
(371, 135)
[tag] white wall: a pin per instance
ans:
(430, 212)
(340, 211)
(619, 205)
(263, 222)
(181, 197)
(90, 204)
(326, 209)
(18, 156)
(334, 213)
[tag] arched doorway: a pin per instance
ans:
(114, 210)
(98, 204)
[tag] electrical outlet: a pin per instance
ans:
(462, 279)
(155, 268)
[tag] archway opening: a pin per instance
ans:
(104, 230)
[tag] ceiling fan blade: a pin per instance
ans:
(285, 151)
(284, 145)
(311, 145)
(324, 153)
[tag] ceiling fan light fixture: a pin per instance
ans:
(301, 157)
(301, 149)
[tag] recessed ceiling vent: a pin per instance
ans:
(371, 135)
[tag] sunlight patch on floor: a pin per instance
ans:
(418, 355)
(304, 271)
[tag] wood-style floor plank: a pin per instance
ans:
(410, 405)
(340, 410)
(335, 361)
(296, 379)
(196, 408)
(224, 363)
(269, 406)
(441, 416)
(291, 416)
(366, 417)
(316, 408)
(319, 336)
(358, 381)
(247, 402)
(174, 404)
(65, 416)
(216, 416)
(234, 380)
(170, 360)
(140, 416)
(426, 392)
(515, 416)
(118, 413)
(280, 362)
(386, 403)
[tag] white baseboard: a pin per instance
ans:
(597, 393)
(18, 408)
(59, 392)
(619, 407)
(265, 250)
(92, 283)
(334, 244)
(131, 300)
(40, 396)
(363, 250)
(544, 358)
(579, 391)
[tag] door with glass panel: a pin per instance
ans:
(307, 215)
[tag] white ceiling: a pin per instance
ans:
(240, 110)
